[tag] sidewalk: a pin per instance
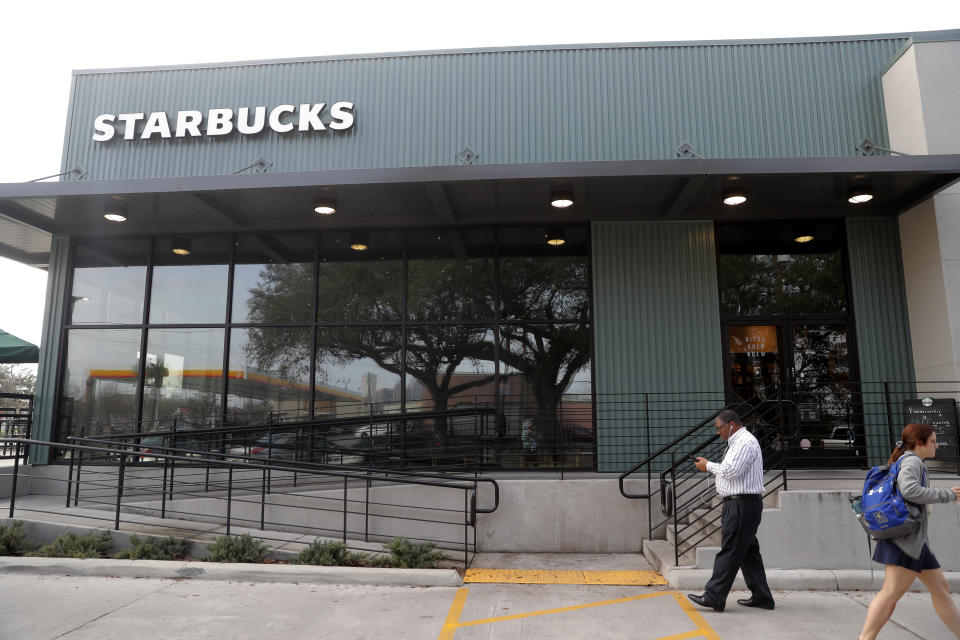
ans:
(46, 517)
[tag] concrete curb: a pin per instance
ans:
(230, 572)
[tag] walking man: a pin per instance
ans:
(739, 480)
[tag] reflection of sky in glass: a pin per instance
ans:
(100, 349)
(108, 295)
(189, 294)
(200, 349)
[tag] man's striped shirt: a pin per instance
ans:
(741, 470)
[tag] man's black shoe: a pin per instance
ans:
(703, 602)
(756, 602)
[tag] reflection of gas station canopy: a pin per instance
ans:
(246, 383)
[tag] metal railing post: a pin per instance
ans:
(466, 524)
(76, 490)
(173, 463)
(163, 492)
(123, 465)
(16, 471)
(646, 423)
(70, 480)
(366, 514)
(229, 496)
(344, 509)
(263, 495)
(673, 509)
(890, 432)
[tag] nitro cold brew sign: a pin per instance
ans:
(220, 122)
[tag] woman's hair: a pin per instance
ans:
(912, 435)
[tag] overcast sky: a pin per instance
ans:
(43, 42)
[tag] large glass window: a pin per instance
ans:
(358, 371)
(273, 278)
(190, 280)
(781, 268)
(783, 284)
(546, 371)
(100, 381)
(492, 324)
(540, 281)
(363, 283)
(109, 281)
(183, 381)
(450, 275)
(269, 376)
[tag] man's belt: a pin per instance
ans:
(742, 496)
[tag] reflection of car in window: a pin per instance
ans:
(840, 438)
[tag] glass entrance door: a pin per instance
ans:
(827, 435)
(807, 364)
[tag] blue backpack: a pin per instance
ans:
(885, 514)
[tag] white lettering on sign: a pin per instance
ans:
(283, 118)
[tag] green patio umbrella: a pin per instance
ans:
(13, 349)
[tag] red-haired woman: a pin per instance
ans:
(910, 557)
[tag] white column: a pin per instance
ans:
(921, 92)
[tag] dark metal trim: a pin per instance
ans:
(948, 163)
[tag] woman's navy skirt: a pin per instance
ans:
(887, 552)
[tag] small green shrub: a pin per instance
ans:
(331, 553)
(71, 545)
(13, 540)
(155, 549)
(237, 549)
(409, 555)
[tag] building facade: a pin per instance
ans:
(606, 241)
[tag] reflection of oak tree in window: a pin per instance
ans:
(548, 354)
(784, 284)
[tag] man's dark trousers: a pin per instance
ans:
(739, 549)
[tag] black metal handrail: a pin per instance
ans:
(115, 489)
(678, 485)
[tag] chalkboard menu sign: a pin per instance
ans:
(939, 413)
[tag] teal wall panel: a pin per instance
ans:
(882, 327)
(657, 340)
(613, 102)
(44, 410)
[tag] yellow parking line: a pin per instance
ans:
(453, 616)
(577, 576)
(453, 622)
(543, 612)
(695, 616)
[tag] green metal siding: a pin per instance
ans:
(656, 327)
(625, 102)
(882, 324)
(44, 409)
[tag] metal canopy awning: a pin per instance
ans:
(799, 188)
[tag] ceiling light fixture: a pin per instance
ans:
(733, 197)
(555, 237)
(181, 246)
(803, 238)
(325, 207)
(115, 215)
(359, 242)
(561, 199)
(860, 195)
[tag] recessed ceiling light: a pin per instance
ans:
(359, 242)
(325, 207)
(561, 199)
(555, 237)
(733, 197)
(860, 195)
(803, 238)
(115, 215)
(181, 246)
